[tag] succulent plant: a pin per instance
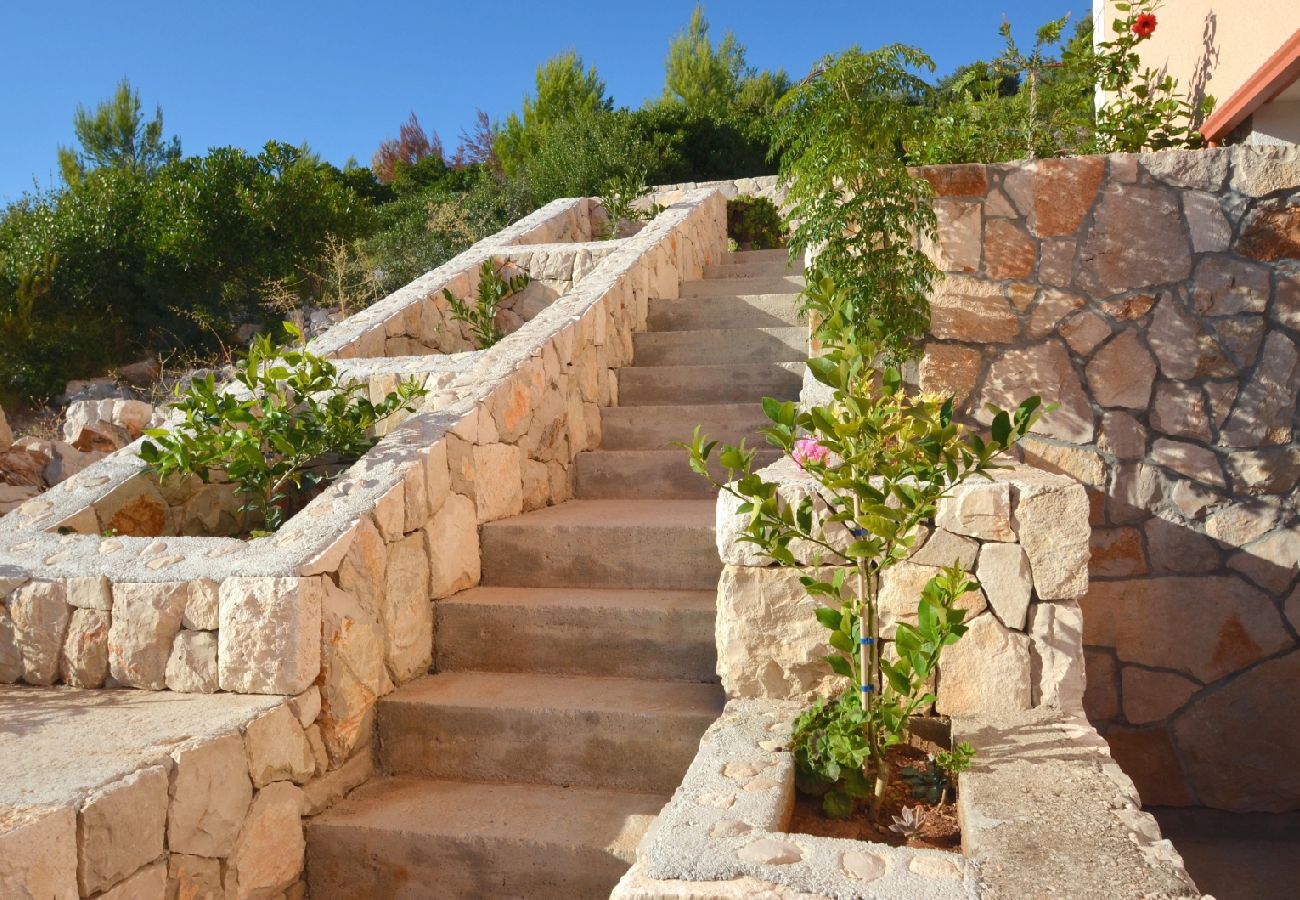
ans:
(909, 823)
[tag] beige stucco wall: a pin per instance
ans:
(1210, 46)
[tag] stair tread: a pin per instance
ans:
(509, 812)
(615, 514)
(561, 693)
(583, 598)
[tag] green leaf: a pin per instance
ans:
(829, 618)
(837, 805)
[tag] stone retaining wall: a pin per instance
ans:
(1025, 537)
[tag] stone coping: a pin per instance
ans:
(1045, 811)
(28, 549)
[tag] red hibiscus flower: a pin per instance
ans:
(1145, 25)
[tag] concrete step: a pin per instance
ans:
(656, 427)
(650, 474)
(604, 543)
(753, 257)
(745, 311)
(732, 287)
(746, 265)
(720, 345)
(666, 635)
(727, 383)
(629, 733)
(447, 840)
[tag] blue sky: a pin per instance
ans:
(342, 75)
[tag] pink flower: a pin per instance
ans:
(807, 450)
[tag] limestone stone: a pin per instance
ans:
(1275, 470)
(325, 790)
(1221, 395)
(193, 877)
(536, 484)
(306, 706)
(89, 592)
(979, 510)
(754, 605)
(1009, 253)
(1005, 576)
(148, 883)
(901, 587)
(1147, 756)
(1117, 552)
(40, 616)
(407, 613)
(498, 491)
(987, 672)
(1226, 286)
(192, 666)
(1045, 370)
(318, 752)
(1128, 308)
(1052, 522)
(1121, 373)
(1183, 347)
(1021, 294)
(956, 181)
(959, 225)
(1151, 696)
(968, 309)
(1207, 628)
(1229, 773)
(1194, 461)
(1200, 170)
(84, 662)
(453, 547)
(362, 571)
(1137, 239)
(950, 370)
(1271, 234)
(210, 793)
(120, 828)
(935, 867)
(1265, 170)
(1241, 336)
(1057, 658)
(1083, 332)
(1122, 435)
(353, 674)
(770, 852)
(1266, 407)
(1179, 411)
(943, 548)
(277, 748)
(1272, 561)
(268, 855)
(1241, 523)
(1136, 489)
(11, 661)
(1101, 695)
(1193, 500)
(1205, 221)
(38, 853)
(863, 865)
(1175, 548)
(1082, 464)
(270, 636)
(1052, 308)
(146, 620)
(1062, 193)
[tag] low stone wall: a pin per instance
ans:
(1024, 535)
(765, 186)
(1156, 298)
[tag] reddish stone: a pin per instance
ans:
(951, 370)
(1064, 190)
(1271, 235)
(956, 181)
(142, 517)
(1130, 308)
(1043, 369)
(1151, 696)
(1147, 756)
(1121, 373)
(1101, 696)
(969, 309)
(23, 467)
(1137, 239)
(1116, 552)
(1008, 251)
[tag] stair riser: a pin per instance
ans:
(762, 311)
(540, 746)
(669, 645)
(648, 476)
(650, 428)
(657, 385)
(730, 287)
(349, 863)
(774, 269)
(754, 257)
(687, 348)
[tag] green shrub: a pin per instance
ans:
(754, 223)
(481, 317)
(293, 416)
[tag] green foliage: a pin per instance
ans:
(841, 134)
(1144, 110)
(938, 780)
(882, 459)
(619, 199)
(754, 223)
(115, 135)
(564, 92)
(698, 75)
(579, 156)
(290, 414)
(692, 146)
(493, 288)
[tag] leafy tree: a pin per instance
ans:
(565, 91)
(412, 145)
(699, 76)
(578, 156)
(115, 135)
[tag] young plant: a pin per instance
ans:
(619, 199)
(493, 289)
(881, 459)
(938, 779)
(293, 413)
(909, 823)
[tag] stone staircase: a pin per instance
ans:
(574, 683)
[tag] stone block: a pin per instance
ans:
(277, 748)
(1192, 460)
(1151, 696)
(407, 611)
(1052, 522)
(1057, 657)
(202, 607)
(120, 828)
(1179, 411)
(193, 877)
(1227, 286)
(322, 792)
(985, 673)
(89, 592)
(353, 672)
(1044, 370)
(362, 571)
(1122, 372)
(1009, 253)
(146, 620)
(1005, 576)
(40, 615)
(84, 662)
(453, 547)
(969, 309)
(1265, 410)
(149, 883)
(1137, 238)
(210, 793)
(1101, 693)
(192, 666)
(943, 548)
(1122, 436)
(269, 640)
(269, 853)
(38, 853)
(978, 509)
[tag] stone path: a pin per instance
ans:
(574, 683)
